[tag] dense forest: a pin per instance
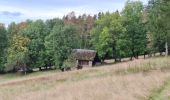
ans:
(137, 30)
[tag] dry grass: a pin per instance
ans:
(161, 93)
(102, 83)
(166, 93)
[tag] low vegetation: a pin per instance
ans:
(98, 83)
(147, 65)
(161, 93)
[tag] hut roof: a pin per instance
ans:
(84, 54)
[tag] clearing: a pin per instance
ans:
(134, 80)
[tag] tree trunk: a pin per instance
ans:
(40, 69)
(115, 59)
(137, 56)
(160, 53)
(120, 59)
(23, 68)
(131, 58)
(166, 47)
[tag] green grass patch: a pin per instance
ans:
(158, 94)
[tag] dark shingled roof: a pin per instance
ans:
(84, 54)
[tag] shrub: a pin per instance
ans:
(69, 63)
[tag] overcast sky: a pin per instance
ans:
(20, 10)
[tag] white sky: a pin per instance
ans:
(20, 10)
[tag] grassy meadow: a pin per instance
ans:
(141, 79)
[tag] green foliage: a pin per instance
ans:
(3, 45)
(101, 36)
(50, 40)
(135, 26)
(12, 30)
(36, 32)
(121, 35)
(109, 37)
(62, 39)
(70, 62)
(104, 46)
(158, 22)
(17, 53)
(53, 22)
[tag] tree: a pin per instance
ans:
(64, 39)
(3, 46)
(69, 63)
(36, 32)
(105, 44)
(158, 13)
(14, 29)
(84, 23)
(50, 40)
(17, 54)
(101, 36)
(136, 31)
(109, 36)
(53, 22)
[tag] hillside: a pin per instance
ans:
(134, 80)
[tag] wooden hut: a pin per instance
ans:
(84, 57)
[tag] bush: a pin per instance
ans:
(69, 63)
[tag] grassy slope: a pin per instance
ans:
(161, 93)
(139, 79)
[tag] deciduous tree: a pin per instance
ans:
(3, 45)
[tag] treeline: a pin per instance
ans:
(136, 30)
(36, 44)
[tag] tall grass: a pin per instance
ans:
(160, 63)
(159, 93)
(122, 81)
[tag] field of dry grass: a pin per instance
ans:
(135, 80)
(161, 93)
